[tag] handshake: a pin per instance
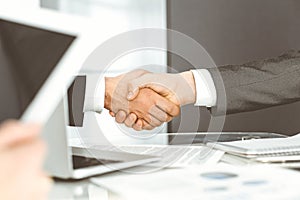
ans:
(143, 100)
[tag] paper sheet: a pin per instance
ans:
(213, 182)
(173, 156)
(253, 148)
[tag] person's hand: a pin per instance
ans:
(149, 107)
(22, 154)
(178, 88)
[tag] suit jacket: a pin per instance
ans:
(257, 85)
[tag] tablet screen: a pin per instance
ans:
(27, 57)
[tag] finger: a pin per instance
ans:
(121, 116)
(29, 155)
(42, 187)
(138, 126)
(133, 91)
(135, 85)
(159, 114)
(13, 132)
(155, 82)
(35, 153)
(112, 113)
(168, 107)
(154, 122)
(130, 120)
(147, 126)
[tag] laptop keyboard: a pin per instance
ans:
(83, 162)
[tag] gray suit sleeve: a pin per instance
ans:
(257, 85)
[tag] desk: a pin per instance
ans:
(79, 190)
(83, 189)
(222, 182)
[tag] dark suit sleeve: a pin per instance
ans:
(257, 85)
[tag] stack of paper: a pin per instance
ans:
(281, 151)
(172, 156)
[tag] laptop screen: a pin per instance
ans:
(27, 57)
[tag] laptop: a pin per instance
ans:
(40, 53)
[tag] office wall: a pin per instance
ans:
(28, 4)
(115, 17)
(237, 31)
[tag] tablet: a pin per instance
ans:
(40, 52)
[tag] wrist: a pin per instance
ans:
(190, 97)
(109, 89)
(111, 84)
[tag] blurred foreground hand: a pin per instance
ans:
(22, 154)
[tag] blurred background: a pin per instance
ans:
(235, 32)
(115, 17)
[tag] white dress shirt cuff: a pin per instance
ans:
(206, 94)
(95, 94)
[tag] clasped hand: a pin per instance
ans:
(144, 100)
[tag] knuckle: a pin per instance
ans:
(128, 123)
(150, 128)
(146, 126)
(120, 117)
(118, 120)
(153, 124)
(169, 118)
(165, 117)
(157, 123)
(137, 128)
(169, 110)
(175, 110)
(132, 117)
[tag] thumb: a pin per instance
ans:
(146, 81)
(133, 90)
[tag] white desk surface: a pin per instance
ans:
(86, 190)
(285, 182)
(79, 190)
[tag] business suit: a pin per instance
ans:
(258, 84)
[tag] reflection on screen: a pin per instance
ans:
(27, 57)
